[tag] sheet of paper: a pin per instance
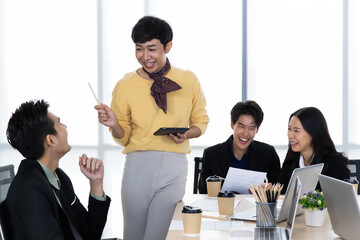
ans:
(210, 204)
(210, 225)
(251, 199)
(239, 180)
(244, 233)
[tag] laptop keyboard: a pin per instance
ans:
(269, 233)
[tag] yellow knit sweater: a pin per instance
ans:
(140, 117)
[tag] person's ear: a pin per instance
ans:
(168, 47)
(232, 125)
(50, 140)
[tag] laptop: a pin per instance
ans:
(342, 204)
(308, 177)
(277, 233)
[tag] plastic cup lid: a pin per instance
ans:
(213, 179)
(353, 181)
(226, 194)
(190, 209)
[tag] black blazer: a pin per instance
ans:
(334, 166)
(33, 211)
(216, 161)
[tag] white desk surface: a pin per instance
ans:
(300, 231)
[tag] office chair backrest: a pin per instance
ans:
(3, 227)
(197, 171)
(6, 177)
(354, 166)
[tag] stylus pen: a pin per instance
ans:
(214, 217)
(94, 94)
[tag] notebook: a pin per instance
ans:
(278, 233)
(342, 205)
(308, 177)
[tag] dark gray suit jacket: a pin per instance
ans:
(33, 212)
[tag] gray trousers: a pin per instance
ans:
(153, 182)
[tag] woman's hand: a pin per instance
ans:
(106, 116)
(177, 138)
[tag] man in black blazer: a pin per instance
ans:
(41, 202)
(240, 150)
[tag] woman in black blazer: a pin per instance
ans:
(310, 143)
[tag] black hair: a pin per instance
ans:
(149, 28)
(314, 123)
(28, 127)
(247, 108)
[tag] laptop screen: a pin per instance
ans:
(308, 177)
(294, 204)
(342, 205)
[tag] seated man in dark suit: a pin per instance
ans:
(41, 202)
(240, 150)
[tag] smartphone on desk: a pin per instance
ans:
(169, 130)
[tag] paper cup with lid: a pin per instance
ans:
(191, 217)
(213, 184)
(226, 202)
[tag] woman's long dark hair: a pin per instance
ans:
(314, 123)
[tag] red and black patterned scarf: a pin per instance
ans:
(162, 85)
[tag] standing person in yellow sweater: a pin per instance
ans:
(153, 96)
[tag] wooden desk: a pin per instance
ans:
(300, 231)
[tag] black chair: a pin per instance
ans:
(197, 171)
(354, 166)
(6, 177)
(3, 228)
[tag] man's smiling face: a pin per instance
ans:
(245, 130)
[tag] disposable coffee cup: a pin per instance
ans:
(266, 214)
(355, 184)
(226, 202)
(213, 184)
(191, 219)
